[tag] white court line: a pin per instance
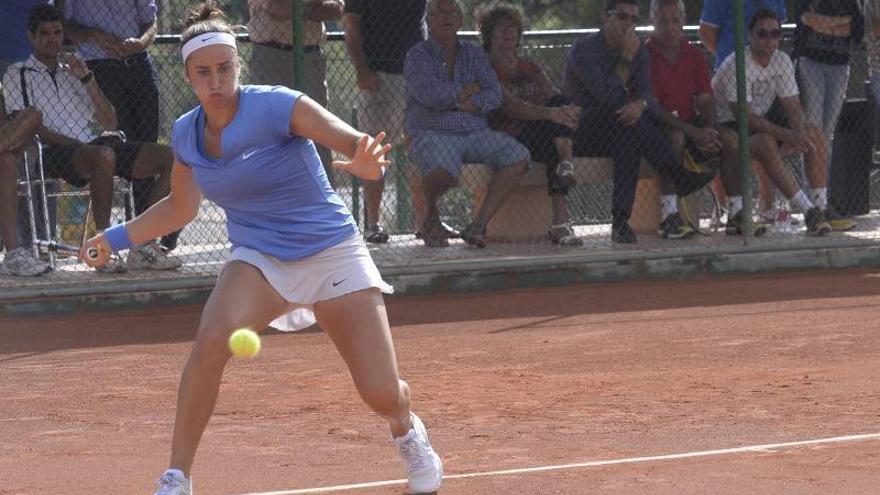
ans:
(611, 462)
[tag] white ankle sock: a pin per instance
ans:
(177, 472)
(801, 201)
(406, 438)
(735, 204)
(820, 197)
(670, 204)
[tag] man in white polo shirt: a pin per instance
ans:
(770, 76)
(76, 118)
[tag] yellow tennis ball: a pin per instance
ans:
(244, 343)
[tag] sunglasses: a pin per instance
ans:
(623, 16)
(768, 33)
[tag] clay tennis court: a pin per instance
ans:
(617, 388)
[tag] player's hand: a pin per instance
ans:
(99, 243)
(567, 115)
(630, 113)
(369, 160)
(368, 80)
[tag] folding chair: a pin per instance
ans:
(35, 180)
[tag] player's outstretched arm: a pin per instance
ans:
(311, 120)
(169, 214)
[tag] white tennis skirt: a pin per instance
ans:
(344, 268)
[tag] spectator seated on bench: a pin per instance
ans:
(608, 75)
(533, 111)
(450, 89)
(772, 70)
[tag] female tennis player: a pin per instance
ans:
(297, 256)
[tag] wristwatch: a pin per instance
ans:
(86, 78)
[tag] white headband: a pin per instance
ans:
(207, 39)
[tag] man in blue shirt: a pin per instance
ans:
(717, 23)
(608, 75)
(450, 90)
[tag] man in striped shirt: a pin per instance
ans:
(450, 89)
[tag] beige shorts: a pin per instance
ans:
(344, 268)
(383, 109)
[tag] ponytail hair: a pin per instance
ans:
(204, 18)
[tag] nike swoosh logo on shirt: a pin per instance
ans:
(248, 154)
(337, 283)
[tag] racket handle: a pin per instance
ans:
(92, 253)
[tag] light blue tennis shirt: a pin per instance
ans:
(271, 184)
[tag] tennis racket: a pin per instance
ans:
(57, 247)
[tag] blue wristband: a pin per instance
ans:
(117, 237)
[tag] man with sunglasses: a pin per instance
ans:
(608, 75)
(770, 75)
(717, 23)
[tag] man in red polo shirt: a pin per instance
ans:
(681, 83)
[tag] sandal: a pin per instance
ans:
(565, 174)
(376, 235)
(448, 231)
(563, 235)
(474, 236)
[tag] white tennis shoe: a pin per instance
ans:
(424, 470)
(173, 482)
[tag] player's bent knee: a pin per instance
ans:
(212, 343)
(387, 399)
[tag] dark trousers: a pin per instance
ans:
(538, 137)
(132, 86)
(602, 135)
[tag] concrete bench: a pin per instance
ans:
(526, 214)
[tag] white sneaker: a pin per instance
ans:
(21, 262)
(424, 470)
(151, 257)
(173, 482)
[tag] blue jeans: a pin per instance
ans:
(823, 89)
(450, 150)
